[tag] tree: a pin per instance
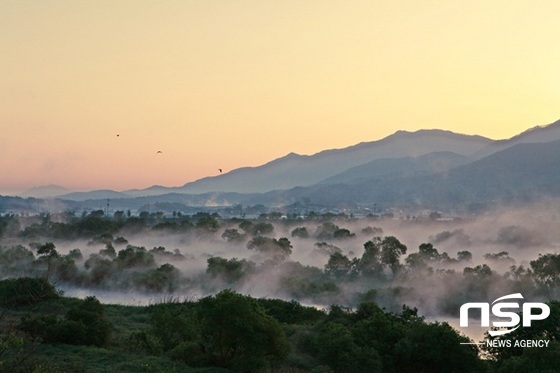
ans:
(326, 230)
(16, 292)
(481, 270)
(236, 333)
(232, 235)
(502, 256)
(370, 262)
(280, 248)
(100, 268)
(229, 270)
(48, 253)
(415, 352)
(261, 228)
(391, 250)
(207, 222)
(464, 256)
(162, 279)
(172, 325)
(375, 231)
(338, 265)
(300, 232)
(343, 233)
(135, 256)
(428, 252)
(84, 324)
(90, 312)
(337, 349)
(546, 270)
(326, 248)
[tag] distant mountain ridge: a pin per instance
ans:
(426, 166)
(304, 170)
(45, 191)
(523, 172)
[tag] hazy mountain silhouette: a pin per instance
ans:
(393, 168)
(94, 194)
(46, 191)
(426, 167)
(523, 172)
(301, 170)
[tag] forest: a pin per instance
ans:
(323, 292)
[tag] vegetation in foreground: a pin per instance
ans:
(43, 331)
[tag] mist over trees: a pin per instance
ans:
(251, 277)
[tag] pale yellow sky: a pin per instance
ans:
(228, 84)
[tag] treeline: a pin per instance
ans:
(381, 269)
(240, 333)
(377, 275)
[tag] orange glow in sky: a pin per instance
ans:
(227, 84)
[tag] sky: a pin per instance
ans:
(90, 91)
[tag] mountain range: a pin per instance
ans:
(433, 168)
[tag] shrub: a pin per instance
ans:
(25, 290)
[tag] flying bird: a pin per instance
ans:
(118, 134)
(159, 152)
(219, 169)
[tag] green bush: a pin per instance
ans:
(25, 290)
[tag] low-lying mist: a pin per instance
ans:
(430, 262)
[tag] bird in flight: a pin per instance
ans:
(159, 152)
(219, 169)
(118, 134)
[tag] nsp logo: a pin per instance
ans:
(497, 310)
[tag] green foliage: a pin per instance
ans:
(502, 256)
(300, 232)
(14, 260)
(464, 256)
(229, 270)
(336, 348)
(84, 324)
(11, 352)
(291, 312)
(349, 341)
(25, 290)
(162, 279)
(370, 264)
(232, 235)
(277, 248)
(338, 265)
(134, 257)
(343, 233)
(64, 268)
(375, 231)
(207, 222)
(546, 270)
(261, 228)
(391, 250)
(326, 248)
(345, 340)
(235, 332)
(481, 270)
(99, 268)
(326, 231)
(300, 282)
(172, 325)
(423, 344)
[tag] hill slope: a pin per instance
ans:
(300, 170)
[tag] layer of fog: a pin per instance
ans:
(523, 232)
